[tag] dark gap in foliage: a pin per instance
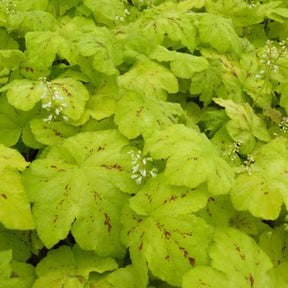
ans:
(35, 259)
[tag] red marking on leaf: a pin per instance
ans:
(115, 166)
(139, 111)
(266, 193)
(191, 261)
(139, 220)
(149, 197)
(185, 252)
(237, 247)
(100, 148)
(14, 275)
(173, 198)
(242, 256)
(107, 222)
(167, 234)
(56, 219)
(140, 246)
(183, 195)
(164, 202)
(29, 69)
(251, 279)
(208, 211)
(53, 166)
(4, 196)
(211, 199)
(167, 257)
(67, 187)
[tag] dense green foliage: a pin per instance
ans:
(143, 143)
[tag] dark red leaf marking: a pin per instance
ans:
(251, 279)
(149, 197)
(107, 222)
(266, 193)
(140, 246)
(191, 261)
(211, 199)
(100, 148)
(28, 69)
(139, 220)
(53, 166)
(4, 196)
(167, 257)
(139, 111)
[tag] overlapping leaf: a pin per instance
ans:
(263, 192)
(239, 258)
(66, 267)
(165, 233)
(192, 159)
(24, 94)
(15, 210)
(245, 126)
(150, 79)
(15, 274)
(218, 32)
(137, 114)
(79, 182)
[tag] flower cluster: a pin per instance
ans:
(142, 167)
(284, 124)
(52, 102)
(235, 149)
(248, 164)
(10, 6)
(270, 57)
(122, 18)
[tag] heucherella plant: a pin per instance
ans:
(143, 143)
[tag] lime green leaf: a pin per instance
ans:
(244, 125)
(273, 11)
(274, 243)
(9, 126)
(23, 94)
(27, 21)
(150, 79)
(11, 59)
(30, 5)
(159, 198)
(162, 54)
(107, 11)
(102, 103)
(23, 243)
(137, 114)
(279, 276)
(219, 33)
(7, 42)
(171, 244)
(207, 82)
(85, 174)
(53, 133)
(172, 22)
(203, 277)
(41, 48)
(15, 209)
(218, 211)
(185, 65)
(262, 190)
(14, 274)
(192, 159)
(120, 278)
(240, 258)
(66, 267)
